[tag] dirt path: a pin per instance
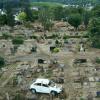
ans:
(7, 75)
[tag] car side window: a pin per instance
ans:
(38, 84)
(45, 85)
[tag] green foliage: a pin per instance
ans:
(17, 41)
(82, 99)
(75, 20)
(79, 2)
(46, 4)
(2, 62)
(96, 11)
(56, 50)
(45, 18)
(56, 42)
(3, 19)
(27, 24)
(58, 13)
(94, 32)
(28, 11)
(9, 13)
(22, 16)
(65, 37)
(86, 17)
(25, 4)
(35, 14)
(6, 35)
(54, 35)
(97, 60)
(34, 37)
(75, 10)
(80, 10)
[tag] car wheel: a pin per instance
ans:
(53, 93)
(33, 91)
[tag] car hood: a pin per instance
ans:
(55, 88)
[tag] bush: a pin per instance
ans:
(82, 99)
(28, 25)
(2, 62)
(53, 36)
(97, 60)
(96, 43)
(6, 36)
(65, 37)
(79, 36)
(17, 41)
(22, 16)
(56, 42)
(56, 50)
(34, 37)
(3, 19)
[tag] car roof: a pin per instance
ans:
(43, 81)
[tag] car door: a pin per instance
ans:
(45, 88)
(37, 87)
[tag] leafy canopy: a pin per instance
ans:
(75, 20)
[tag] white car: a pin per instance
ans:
(45, 86)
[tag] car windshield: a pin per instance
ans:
(51, 83)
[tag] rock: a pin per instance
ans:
(60, 80)
(60, 24)
(5, 29)
(4, 69)
(81, 28)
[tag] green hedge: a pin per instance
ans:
(17, 41)
(65, 37)
(2, 62)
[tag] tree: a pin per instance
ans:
(80, 10)
(35, 14)
(25, 4)
(46, 19)
(86, 18)
(3, 19)
(94, 32)
(75, 20)
(58, 13)
(2, 62)
(10, 16)
(29, 14)
(96, 11)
